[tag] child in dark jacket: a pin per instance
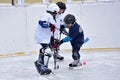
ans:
(76, 38)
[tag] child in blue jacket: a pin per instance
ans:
(76, 38)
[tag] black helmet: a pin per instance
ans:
(69, 18)
(61, 5)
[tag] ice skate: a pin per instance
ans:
(37, 66)
(42, 69)
(75, 65)
(45, 71)
(59, 57)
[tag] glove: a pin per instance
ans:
(62, 28)
(52, 26)
(61, 42)
(58, 42)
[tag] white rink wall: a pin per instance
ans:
(100, 22)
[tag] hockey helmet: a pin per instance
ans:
(53, 8)
(61, 5)
(69, 18)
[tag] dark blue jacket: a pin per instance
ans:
(76, 35)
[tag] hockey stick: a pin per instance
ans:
(55, 59)
(48, 55)
(86, 40)
(55, 55)
(56, 50)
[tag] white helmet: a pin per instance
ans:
(53, 8)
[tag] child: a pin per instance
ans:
(76, 38)
(46, 25)
(59, 24)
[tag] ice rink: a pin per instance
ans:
(100, 65)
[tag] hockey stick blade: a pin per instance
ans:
(86, 40)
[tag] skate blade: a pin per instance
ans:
(76, 68)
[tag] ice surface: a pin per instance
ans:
(100, 65)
